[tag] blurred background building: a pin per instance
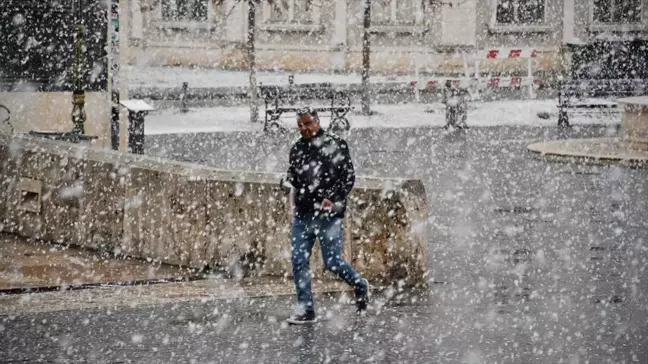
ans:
(315, 35)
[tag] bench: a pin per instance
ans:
(594, 96)
(5, 120)
(281, 100)
(603, 69)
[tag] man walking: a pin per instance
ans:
(322, 175)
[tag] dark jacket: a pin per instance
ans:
(321, 168)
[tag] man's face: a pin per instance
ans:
(308, 126)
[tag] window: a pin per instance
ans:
(617, 11)
(520, 12)
(178, 10)
(395, 12)
(292, 11)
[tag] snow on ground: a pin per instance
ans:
(498, 113)
(217, 119)
(165, 77)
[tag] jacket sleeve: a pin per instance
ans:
(344, 174)
(291, 175)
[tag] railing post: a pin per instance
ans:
(183, 97)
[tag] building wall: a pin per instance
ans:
(433, 40)
(543, 36)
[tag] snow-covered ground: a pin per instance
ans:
(165, 77)
(499, 113)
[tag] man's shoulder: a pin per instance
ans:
(336, 138)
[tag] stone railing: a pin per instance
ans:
(196, 216)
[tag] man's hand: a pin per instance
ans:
(285, 185)
(327, 204)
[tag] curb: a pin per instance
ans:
(589, 151)
(139, 282)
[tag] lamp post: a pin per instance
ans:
(366, 60)
(253, 95)
(78, 95)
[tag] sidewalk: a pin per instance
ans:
(481, 114)
(43, 277)
(169, 77)
(110, 296)
(30, 265)
(539, 263)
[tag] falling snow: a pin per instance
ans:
(182, 254)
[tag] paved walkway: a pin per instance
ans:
(113, 296)
(30, 265)
(536, 263)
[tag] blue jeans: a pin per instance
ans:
(329, 233)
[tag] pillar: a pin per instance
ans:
(339, 37)
(124, 25)
(568, 21)
(236, 22)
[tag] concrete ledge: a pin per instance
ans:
(191, 215)
(591, 151)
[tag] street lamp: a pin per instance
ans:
(78, 95)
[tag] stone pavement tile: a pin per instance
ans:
(25, 264)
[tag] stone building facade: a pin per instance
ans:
(435, 36)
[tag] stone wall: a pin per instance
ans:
(195, 216)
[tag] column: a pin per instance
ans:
(339, 38)
(124, 22)
(568, 21)
(458, 25)
(137, 22)
(236, 22)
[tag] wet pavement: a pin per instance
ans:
(29, 265)
(110, 296)
(532, 262)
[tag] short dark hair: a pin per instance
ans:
(308, 111)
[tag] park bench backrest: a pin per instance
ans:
(296, 93)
